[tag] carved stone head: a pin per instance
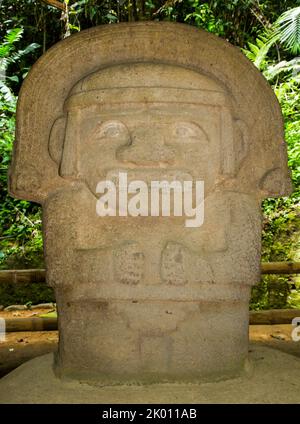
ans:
(147, 118)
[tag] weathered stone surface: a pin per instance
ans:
(146, 298)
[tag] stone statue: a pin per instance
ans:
(145, 298)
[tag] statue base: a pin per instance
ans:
(271, 377)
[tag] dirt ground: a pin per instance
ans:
(19, 347)
(22, 346)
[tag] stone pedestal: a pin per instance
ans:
(270, 377)
(146, 341)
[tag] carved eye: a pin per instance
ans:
(184, 131)
(112, 129)
(189, 132)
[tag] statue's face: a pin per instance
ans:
(150, 142)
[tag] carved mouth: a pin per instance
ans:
(148, 175)
(123, 177)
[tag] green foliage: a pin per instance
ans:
(273, 292)
(20, 231)
(257, 52)
(204, 17)
(12, 294)
(10, 55)
(282, 68)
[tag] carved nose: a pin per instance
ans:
(143, 154)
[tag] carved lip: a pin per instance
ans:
(138, 174)
(151, 174)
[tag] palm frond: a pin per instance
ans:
(6, 92)
(287, 27)
(20, 53)
(283, 67)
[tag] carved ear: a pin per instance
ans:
(275, 183)
(56, 139)
(241, 142)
